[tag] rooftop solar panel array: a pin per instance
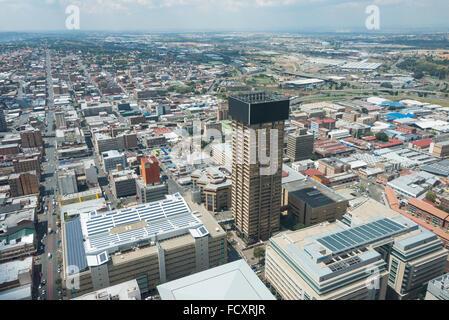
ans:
(161, 217)
(76, 255)
(361, 235)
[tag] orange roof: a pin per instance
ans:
(394, 204)
(391, 198)
(428, 208)
(422, 223)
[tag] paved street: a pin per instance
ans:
(47, 221)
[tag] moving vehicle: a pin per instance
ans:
(49, 255)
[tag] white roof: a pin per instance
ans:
(430, 123)
(409, 102)
(85, 206)
(18, 293)
(304, 81)
(166, 218)
(231, 281)
(10, 271)
(357, 164)
(376, 100)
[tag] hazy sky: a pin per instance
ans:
(217, 15)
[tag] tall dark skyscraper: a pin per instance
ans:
(258, 134)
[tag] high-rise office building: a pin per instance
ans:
(150, 170)
(258, 133)
(300, 145)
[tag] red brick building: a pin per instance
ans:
(150, 170)
(428, 213)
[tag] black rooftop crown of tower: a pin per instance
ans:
(258, 107)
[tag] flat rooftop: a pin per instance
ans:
(231, 281)
(259, 97)
(313, 193)
(329, 250)
(103, 230)
(313, 197)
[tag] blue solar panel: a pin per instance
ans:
(102, 257)
(76, 255)
(360, 235)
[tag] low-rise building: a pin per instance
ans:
(413, 185)
(128, 290)
(150, 192)
(214, 184)
(67, 182)
(310, 202)
(440, 149)
(16, 279)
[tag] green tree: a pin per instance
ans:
(381, 136)
(298, 226)
(386, 85)
(430, 195)
(418, 75)
(259, 253)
